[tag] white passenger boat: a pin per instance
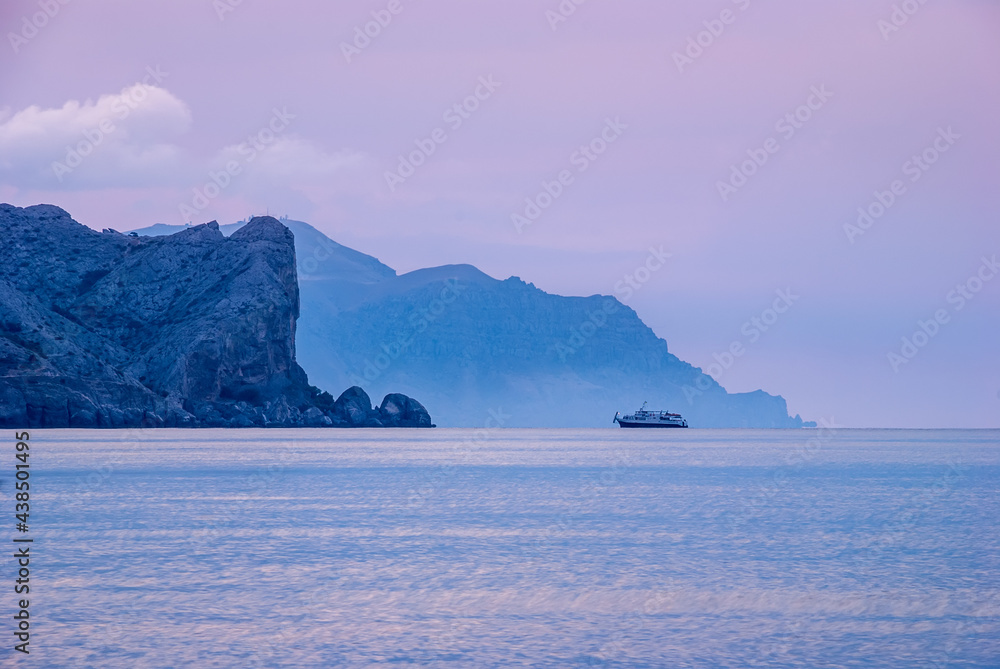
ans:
(645, 418)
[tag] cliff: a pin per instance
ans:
(192, 329)
(474, 348)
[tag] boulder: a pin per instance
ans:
(398, 410)
(355, 407)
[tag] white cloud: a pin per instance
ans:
(286, 172)
(130, 139)
(121, 139)
(289, 159)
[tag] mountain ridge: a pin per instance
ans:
(468, 344)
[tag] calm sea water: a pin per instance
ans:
(544, 548)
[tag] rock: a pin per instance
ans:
(13, 411)
(401, 411)
(355, 407)
(241, 420)
(279, 413)
(180, 418)
(83, 418)
(188, 330)
(314, 417)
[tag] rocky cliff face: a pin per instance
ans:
(477, 350)
(192, 329)
(468, 344)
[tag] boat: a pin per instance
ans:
(646, 418)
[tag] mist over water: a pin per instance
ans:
(465, 548)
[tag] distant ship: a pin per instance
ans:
(644, 418)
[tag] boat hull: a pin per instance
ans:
(625, 423)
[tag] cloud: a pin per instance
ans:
(290, 160)
(121, 139)
(130, 140)
(286, 173)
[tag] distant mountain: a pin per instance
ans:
(477, 349)
(194, 329)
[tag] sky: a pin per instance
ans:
(820, 176)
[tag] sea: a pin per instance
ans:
(827, 547)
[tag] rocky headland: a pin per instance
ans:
(194, 329)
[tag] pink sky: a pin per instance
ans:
(342, 125)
